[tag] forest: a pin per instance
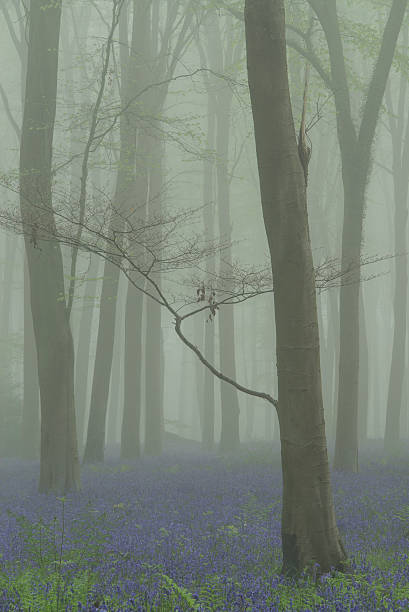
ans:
(204, 368)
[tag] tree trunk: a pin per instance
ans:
(309, 530)
(130, 434)
(230, 435)
(154, 419)
(230, 412)
(346, 443)
(400, 164)
(355, 147)
(197, 415)
(208, 391)
(124, 196)
(363, 383)
(116, 387)
(208, 226)
(59, 465)
(82, 359)
(30, 425)
(9, 266)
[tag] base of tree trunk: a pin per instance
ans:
(310, 536)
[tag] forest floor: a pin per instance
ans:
(191, 531)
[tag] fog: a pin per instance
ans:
(203, 229)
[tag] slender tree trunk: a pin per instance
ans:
(346, 443)
(30, 426)
(59, 466)
(130, 434)
(82, 359)
(9, 267)
(309, 530)
(251, 373)
(355, 147)
(154, 420)
(208, 225)
(400, 163)
(115, 399)
(230, 434)
(124, 194)
(198, 375)
(208, 391)
(363, 374)
(94, 448)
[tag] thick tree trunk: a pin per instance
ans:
(309, 530)
(59, 467)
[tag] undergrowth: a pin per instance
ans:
(124, 556)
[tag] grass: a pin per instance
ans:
(194, 532)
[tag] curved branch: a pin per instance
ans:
(217, 373)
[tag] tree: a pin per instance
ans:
(400, 170)
(59, 467)
(309, 531)
(355, 146)
(30, 426)
(124, 192)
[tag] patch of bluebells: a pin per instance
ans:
(191, 531)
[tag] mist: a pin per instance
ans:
(203, 317)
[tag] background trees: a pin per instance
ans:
(153, 119)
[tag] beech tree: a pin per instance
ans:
(309, 530)
(398, 121)
(59, 467)
(355, 147)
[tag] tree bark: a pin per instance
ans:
(230, 412)
(59, 465)
(82, 358)
(124, 194)
(309, 530)
(363, 388)
(208, 423)
(30, 425)
(400, 167)
(130, 433)
(9, 267)
(154, 418)
(355, 150)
